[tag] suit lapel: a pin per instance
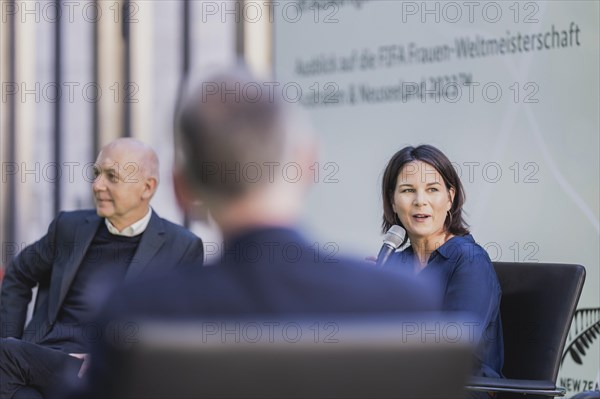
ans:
(83, 237)
(152, 239)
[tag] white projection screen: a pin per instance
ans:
(508, 90)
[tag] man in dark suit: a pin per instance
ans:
(236, 155)
(76, 265)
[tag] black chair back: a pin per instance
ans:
(391, 356)
(538, 303)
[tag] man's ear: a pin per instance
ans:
(183, 194)
(187, 201)
(149, 187)
(306, 154)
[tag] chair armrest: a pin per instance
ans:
(537, 387)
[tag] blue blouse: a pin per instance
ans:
(465, 274)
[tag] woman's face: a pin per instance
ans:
(422, 201)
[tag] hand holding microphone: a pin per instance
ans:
(391, 241)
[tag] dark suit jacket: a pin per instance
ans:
(53, 261)
(265, 273)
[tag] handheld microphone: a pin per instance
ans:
(391, 241)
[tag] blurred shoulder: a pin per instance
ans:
(391, 286)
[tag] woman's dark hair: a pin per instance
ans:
(454, 224)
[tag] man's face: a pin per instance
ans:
(121, 189)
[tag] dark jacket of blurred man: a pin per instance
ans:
(84, 255)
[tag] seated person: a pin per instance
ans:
(84, 255)
(422, 193)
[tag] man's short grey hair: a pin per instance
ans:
(232, 141)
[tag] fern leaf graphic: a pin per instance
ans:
(578, 347)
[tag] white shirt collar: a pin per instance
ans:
(131, 231)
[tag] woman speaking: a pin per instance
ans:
(422, 193)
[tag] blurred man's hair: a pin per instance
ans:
(236, 133)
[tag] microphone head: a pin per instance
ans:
(394, 236)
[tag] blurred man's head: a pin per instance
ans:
(126, 177)
(245, 151)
